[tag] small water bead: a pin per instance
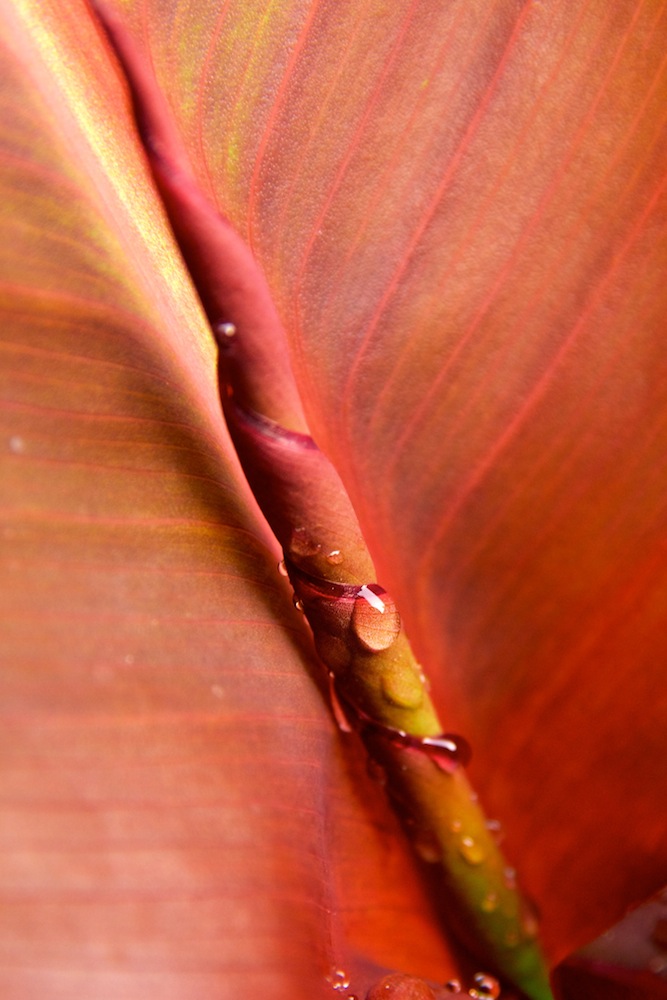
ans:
(455, 826)
(282, 568)
(471, 851)
(453, 986)
(485, 986)
(303, 544)
(335, 557)
(509, 878)
(16, 444)
(298, 604)
(227, 330)
(490, 903)
(427, 847)
(339, 979)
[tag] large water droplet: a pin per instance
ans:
(339, 979)
(485, 986)
(282, 568)
(375, 620)
(471, 851)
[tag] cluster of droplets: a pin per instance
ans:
(340, 982)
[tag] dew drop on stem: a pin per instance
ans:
(485, 987)
(282, 568)
(225, 331)
(490, 903)
(339, 979)
(471, 851)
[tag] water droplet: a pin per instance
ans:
(529, 923)
(335, 557)
(485, 986)
(489, 903)
(453, 986)
(339, 713)
(16, 444)
(375, 620)
(227, 330)
(427, 847)
(302, 544)
(402, 687)
(448, 751)
(282, 568)
(298, 604)
(494, 826)
(509, 878)
(471, 851)
(373, 599)
(339, 979)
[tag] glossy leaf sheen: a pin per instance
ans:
(461, 214)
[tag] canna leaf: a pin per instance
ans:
(460, 212)
(356, 626)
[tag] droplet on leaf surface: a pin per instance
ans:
(282, 568)
(334, 557)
